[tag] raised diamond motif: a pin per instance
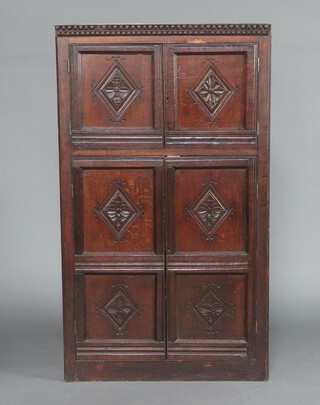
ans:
(116, 89)
(118, 211)
(212, 91)
(209, 211)
(211, 307)
(120, 309)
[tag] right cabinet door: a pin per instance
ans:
(210, 257)
(211, 95)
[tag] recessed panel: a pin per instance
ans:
(211, 91)
(211, 307)
(207, 316)
(120, 316)
(118, 210)
(116, 94)
(120, 306)
(210, 209)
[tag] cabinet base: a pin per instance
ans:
(227, 370)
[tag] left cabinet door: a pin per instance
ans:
(116, 93)
(119, 262)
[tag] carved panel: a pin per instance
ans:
(118, 211)
(211, 205)
(117, 208)
(209, 211)
(212, 91)
(117, 89)
(116, 96)
(207, 306)
(119, 304)
(119, 309)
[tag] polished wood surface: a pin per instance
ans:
(164, 162)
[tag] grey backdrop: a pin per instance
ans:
(31, 360)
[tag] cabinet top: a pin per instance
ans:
(162, 29)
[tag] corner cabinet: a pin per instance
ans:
(164, 165)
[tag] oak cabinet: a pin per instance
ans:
(164, 162)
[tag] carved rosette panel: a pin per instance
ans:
(212, 91)
(117, 89)
(119, 310)
(118, 211)
(209, 211)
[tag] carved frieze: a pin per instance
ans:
(163, 29)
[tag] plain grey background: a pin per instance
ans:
(31, 351)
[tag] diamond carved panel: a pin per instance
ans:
(118, 211)
(212, 91)
(211, 307)
(119, 309)
(209, 211)
(117, 89)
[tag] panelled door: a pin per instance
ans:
(119, 258)
(210, 234)
(211, 95)
(164, 278)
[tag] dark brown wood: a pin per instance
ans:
(164, 170)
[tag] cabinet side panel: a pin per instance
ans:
(66, 207)
(262, 242)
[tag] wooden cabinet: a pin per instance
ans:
(164, 163)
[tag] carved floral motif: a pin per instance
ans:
(118, 211)
(117, 89)
(209, 211)
(119, 310)
(212, 92)
(211, 307)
